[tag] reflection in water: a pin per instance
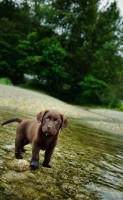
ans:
(86, 165)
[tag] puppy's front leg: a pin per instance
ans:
(48, 154)
(35, 157)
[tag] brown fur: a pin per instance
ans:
(41, 133)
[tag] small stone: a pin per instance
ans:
(18, 165)
(38, 198)
(8, 147)
(29, 193)
(1, 162)
(76, 179)
(80, 196)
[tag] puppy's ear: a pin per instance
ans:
(41, 115)
(65, 122)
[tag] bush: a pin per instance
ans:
(110, 97)
(91, 89)
(5, 81)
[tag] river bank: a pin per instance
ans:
(32, 102)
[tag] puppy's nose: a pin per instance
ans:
(49, 126)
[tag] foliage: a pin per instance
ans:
(72, 48)
(91, 90)
(5, 81)
(43, 58)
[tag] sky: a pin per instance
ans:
(119, 3)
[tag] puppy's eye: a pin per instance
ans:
(47, 119)
(56, 121)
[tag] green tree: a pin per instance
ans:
(8, 54)
(91, 90)
(43, 59)
(74, 22)
(70, 46)
(12, 28)
(107, 44)
(91, 38)
(53, 71)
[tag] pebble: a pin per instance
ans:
(18, 165)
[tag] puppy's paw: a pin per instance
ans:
(18, 156)
(46, 165)
(34, 165)
(23, 150)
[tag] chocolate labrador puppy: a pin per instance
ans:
(41, 133)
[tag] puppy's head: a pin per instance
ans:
(52, 121)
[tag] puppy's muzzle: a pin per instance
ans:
(48, 134)
(48, 130)
(49, 126)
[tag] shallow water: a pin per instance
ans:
(85, 165)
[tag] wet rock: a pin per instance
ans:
(13, 176)
(12, 191)
(65, 176)
(2, 187)
(29, 174)
(18, 165)
(57, 149)
(29, 193)
(69, 188)
(43, 196)
(2, 152)
(80, 197)
(1, 162)
(75, 164)
(45, 179)
(51, 191)
(8, 147)
(76, 179)
(28, 147)
(59, 154)
(7, 156)
(37, 198)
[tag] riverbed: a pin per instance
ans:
(87, 162)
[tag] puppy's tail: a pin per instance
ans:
(12, 120)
